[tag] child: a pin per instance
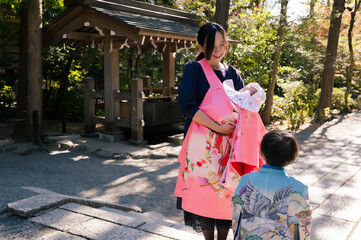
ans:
(269, 204)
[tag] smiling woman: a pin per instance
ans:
(206, 178)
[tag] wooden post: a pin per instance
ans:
(168, 70)
(147, 83)
(89, 106)
(111, 84)
(137, 121)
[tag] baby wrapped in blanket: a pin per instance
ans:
(245, 99)
(245, 152)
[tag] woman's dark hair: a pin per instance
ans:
(206, 36)
(280, 148)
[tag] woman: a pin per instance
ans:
(206, 178)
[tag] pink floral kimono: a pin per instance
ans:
(211, 165)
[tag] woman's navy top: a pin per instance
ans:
(194, 86)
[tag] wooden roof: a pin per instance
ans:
(128, 23)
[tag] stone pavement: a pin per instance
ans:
(329, 163)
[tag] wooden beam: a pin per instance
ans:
(122, 95)
(82, 36)
(125, 123)
(96, 94)
(170, 35)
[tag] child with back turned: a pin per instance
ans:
(270, 204)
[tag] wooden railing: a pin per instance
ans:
(130, 107)
(135, 98)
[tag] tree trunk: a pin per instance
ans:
(266, 114)
(351, 59)
(325, 99)
(34, 67)
(22, 94)
(221, 15)
(313, 44)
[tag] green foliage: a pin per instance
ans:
(7, 100)
(52, 9)
(150, 64)
(297, 103)
(63, 76)
(8, 88)
(255, 33)
(205, 10)
(11, 8)
(338, 98)
(300, 53)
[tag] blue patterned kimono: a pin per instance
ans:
(271, 205)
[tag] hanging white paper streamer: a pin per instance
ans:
(99, 30)
(185, 46)
(165, 44)
(139, 51)
(153, 43)
(143, 39)
(100, 46)
(125, 44)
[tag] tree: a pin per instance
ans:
(221, 15)
(29, 87)
(34, 67)
(266, 114)
(350, 69)
(324, 102)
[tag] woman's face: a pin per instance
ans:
(220, 48)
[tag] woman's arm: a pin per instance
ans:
(201, 118)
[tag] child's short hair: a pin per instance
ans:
(280, 148)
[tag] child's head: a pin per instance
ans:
(279, 148)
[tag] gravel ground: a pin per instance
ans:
(143, 182)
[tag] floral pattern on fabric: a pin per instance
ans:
(210, 168)
(287, 216)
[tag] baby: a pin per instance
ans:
(251, 97)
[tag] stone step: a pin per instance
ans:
(75, 219)
(154, 217)
(96, 223)
(57, 235)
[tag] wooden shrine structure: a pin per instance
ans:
(115, 25)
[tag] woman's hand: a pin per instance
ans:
(225, 129)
